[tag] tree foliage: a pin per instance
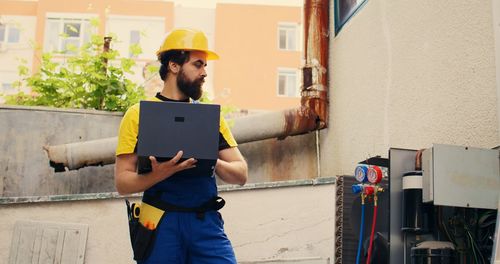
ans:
(84, 77)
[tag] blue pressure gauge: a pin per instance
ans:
(361, 173)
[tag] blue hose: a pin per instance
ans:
(361, 227)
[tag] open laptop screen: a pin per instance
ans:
(167, 127)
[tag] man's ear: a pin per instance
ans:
(173, 67)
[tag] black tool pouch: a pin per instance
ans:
(143, 242)
(141, 238)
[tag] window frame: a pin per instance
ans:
(7, 77)
(288, 72)
(6, 35)
(6, 88)
(63, 19)
(340, 24)
(130, 41)
(290, 25)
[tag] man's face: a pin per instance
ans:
(192, 75)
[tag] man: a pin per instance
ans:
(189, 231)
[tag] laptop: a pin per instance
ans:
(167, 127)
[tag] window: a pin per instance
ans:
(9, 33)
(288, 83)
(61, 33)
(7, 79)
(7, 88)
(135, 39)
(288, 36)
(136, 34)
(344, 9)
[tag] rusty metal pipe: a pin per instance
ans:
(310, 116)
(315, 79)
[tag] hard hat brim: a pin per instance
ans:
(210, 54)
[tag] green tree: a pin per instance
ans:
(88, 77)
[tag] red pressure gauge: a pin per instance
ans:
(360, 173)
(374, 174)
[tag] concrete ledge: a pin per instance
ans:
(277, 184)
(114, 195)
(63, 110)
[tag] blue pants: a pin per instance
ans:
(182, 238)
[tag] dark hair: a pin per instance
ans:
(178, 56)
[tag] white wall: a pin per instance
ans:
(408, 74)
(292, 222)
(281, 223)
(496, 28)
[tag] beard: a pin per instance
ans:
(191, 89)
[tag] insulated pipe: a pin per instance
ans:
(310, 116)
(102, 151)
(81, 154)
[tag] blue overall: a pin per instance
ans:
(184, 237)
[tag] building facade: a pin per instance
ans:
(260, 58)
(272, 46)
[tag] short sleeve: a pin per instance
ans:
(129, 129)
(226, 139)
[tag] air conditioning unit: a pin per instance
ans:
(461, 176)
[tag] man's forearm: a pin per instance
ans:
(233, 172)
(129, 182)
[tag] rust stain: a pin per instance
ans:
(316, 32)
(299, 121)
(284, 165)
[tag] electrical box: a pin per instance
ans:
(461, 176)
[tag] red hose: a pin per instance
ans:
(373, 231)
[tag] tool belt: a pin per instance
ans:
(213, 204)
(144, 219)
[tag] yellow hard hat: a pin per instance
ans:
(187, 39)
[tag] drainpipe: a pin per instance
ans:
(312, 114)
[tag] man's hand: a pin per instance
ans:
(128, 181)
(168, 168)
